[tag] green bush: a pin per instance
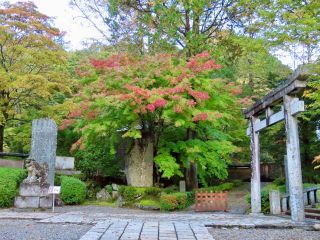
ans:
(178, 200)
(9, 183)
(131, 194)
(109, 189)
(73, 190)
(168, 202)
(170, 189)
(128, 193)
(152, 191)
(279, 181)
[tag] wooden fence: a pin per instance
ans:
(211, 201)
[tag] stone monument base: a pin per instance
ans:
(32, 195)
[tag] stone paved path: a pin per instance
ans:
(147, 230)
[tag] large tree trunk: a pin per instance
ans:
(1, 137)
(139, 164)
(191, 173)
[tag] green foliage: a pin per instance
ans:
(174, 201)
(97, 160)
(131, 194)
(149, 203)
(170, 189)
(219, 188)
(167, 99)
(32, 74)
(73, 190)
(10, 179)
(109, 189)
(279, 181)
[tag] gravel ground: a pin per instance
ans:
(263, 234)
(31, 230)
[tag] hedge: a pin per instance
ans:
(73, 190)
(10, 179)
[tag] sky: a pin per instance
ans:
(77, 30)
(66, 20)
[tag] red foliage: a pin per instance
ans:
(201, 63)
(199, 95)
(200, 117)
(66, 123)
(159, 103)
(191, 103)
(114, 61)
(151, 107)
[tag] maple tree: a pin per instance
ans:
(30, 62)
(154, 101)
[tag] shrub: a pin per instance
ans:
(170, 189)
(178, 200)
(128, 193)
(109, 189)
(131, 194)
(168, 202)
(9, 183)
(73, 190)
(279, 181)
(152, 191)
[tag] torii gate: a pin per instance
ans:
(290, 108)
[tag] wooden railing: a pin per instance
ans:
(309, 196)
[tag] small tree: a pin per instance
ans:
(154, 101)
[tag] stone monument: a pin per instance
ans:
(44, 144)
(40, 165)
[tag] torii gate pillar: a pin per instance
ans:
(293, 162)
(255, 165)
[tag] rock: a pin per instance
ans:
(316, 227)
(103, 195)
(120, 202)
(115, 194)
(115, 187)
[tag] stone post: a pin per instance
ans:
(294, 163)
(182, 186)
(275, 204)
(44, 144)
(255, 169)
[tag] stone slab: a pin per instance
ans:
(45, 202)
(26, 202)
(33, 190)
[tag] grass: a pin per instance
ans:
(99, 203)
(149, 203)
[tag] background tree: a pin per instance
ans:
(30, 60)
